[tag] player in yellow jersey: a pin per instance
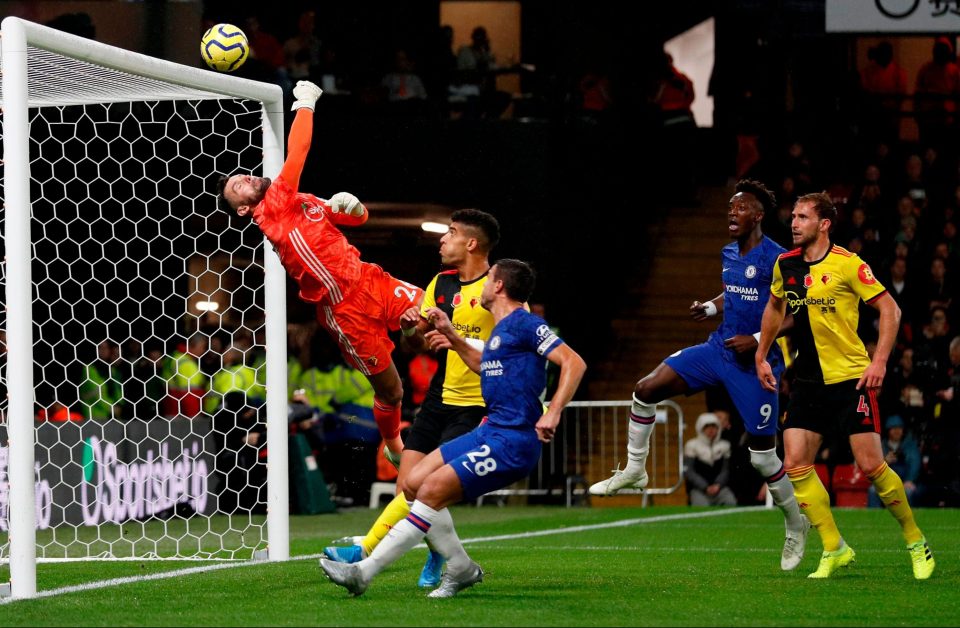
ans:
(453, 405)
(836, 381)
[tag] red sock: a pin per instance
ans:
(387, 418)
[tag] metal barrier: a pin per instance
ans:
(591, 442)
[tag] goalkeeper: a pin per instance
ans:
(357, 302)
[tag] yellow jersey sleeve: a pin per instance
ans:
(776, 284)
(861, 279)
(429, 297)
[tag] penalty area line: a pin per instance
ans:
(113, 582)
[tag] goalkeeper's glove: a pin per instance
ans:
(306, 94)
(347, 203)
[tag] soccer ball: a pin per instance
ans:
(224, 47)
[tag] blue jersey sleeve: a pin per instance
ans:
(540, 337)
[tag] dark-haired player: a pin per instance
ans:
(726, 359)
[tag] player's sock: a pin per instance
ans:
(400, 540)
(890, 491)
(815, 503)
(395, 511)
(445, 541)
(642, 419)
(388, 421)
(771, 468)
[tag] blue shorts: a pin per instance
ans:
(705, 365)
(490, 458)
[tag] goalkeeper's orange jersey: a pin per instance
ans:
(303, 228)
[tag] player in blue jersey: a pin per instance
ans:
(501, 451)
(727, 359)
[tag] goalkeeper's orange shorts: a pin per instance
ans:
(361, 322)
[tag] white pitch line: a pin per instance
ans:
(113, 582)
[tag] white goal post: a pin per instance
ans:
(48, 70)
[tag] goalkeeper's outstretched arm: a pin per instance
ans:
(301, 132)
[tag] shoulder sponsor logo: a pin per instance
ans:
(312, 211)
(750, 272)
(866, 275)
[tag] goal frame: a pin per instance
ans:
(17, 36)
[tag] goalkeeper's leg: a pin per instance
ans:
(388, 394)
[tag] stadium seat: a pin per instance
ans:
(850, 486)
(378, 490)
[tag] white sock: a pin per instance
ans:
(445, 541)
(771, 468)
(642, 420)
(399, 540)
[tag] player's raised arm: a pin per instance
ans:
(301, 132)
(469, 353)
(346, 209)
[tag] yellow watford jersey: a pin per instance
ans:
(454, 383)
(824, 298)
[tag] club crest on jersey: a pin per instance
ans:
(825, 278)
(474, 302)
(750, 272)
(807, 281)
(866, 275)
(312, 211)
(457, 299)
(495, 342)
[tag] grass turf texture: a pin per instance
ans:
(707, 571)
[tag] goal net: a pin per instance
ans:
(127, 293)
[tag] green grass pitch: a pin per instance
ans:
(571, 567)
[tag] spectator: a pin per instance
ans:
(673, 96)
(476, 67)
(902, 454)
(706, 465)
(302, 51)
(939, 483)
(420, 371)
(234, 376)
(239, 438)
(440, 66)
(904, 292)
(101, 392)
(936, 92)
(884, 83)
(186, 383)
(405, 91)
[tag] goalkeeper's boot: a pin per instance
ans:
(635, 478)
(348, 554)
(451, 585)
(922, 558)
(432, 570)
(794, 545)
(392, 458)
(346, 575)
(831, 561)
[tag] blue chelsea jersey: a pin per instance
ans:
(512, 370)
(746, 290)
